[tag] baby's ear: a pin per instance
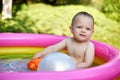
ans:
(93, 31)
(71, 29)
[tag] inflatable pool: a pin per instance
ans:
(107, 57)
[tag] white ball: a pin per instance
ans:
(56, 61)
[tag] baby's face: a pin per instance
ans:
(82, 28)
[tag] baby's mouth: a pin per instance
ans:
(82, 35)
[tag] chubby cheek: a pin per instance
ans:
(76, 31)
(89, 35)
(73, 31)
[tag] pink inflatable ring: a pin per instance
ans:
(109, 70)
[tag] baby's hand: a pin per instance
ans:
(33, 64)
(38, 55)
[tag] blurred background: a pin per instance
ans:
(54, 17)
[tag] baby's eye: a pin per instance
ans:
(88, 28)
(79, 27)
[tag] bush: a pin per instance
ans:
(17, 25)
(46, 19)
(111, 9)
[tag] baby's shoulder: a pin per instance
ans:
(69, 40)
(90, 44)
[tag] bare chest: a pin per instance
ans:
(76, 50)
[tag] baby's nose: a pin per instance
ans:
(83, 30)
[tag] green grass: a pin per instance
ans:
(46, 19)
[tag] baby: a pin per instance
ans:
(79, 47)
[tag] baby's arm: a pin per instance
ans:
(89, 57)
(53, 48)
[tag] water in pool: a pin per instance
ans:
(14, 65)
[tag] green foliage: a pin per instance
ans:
(17, 25)
(41, 18)
(53, 2)
(111, 9)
